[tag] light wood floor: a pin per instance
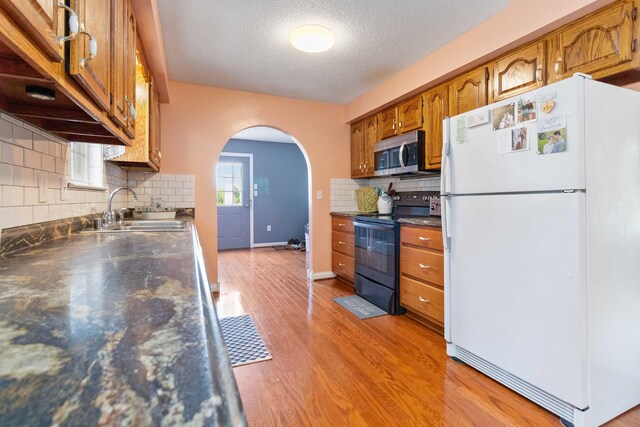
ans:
(331, 369)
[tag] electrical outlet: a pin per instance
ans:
(319, 194)
(268, 228)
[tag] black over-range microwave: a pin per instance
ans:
(400, 154)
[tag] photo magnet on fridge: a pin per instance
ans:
(527, 110)
(504, 117)
(553, 141)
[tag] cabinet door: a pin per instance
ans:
(600, 45)
(370, 139)
(436, 108)
(388, 123)
(118, 110)
(520, 71)
(357, 141)
(469, 91)
(43, 20)
(410, 114)
(94, 75)
(130, 64)
(154, 126)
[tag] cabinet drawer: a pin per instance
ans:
(342, 265)
(423, 299)
(343, 243)
(430, 238)
(342, 224)
(422, 264)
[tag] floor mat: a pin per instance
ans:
(360, 306)
(243, 341)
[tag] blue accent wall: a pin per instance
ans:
(280, 172)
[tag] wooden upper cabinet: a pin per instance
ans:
(388, 122)
(130, 75)
(42, 20)
(436, 108)
(469, 91)
(357, 141)
(601, 44)
(123, 65)
(520, 71)
(370, 139)
(154, 126)
(93, 74)
(410, 114)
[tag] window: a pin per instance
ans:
(87, 165)
(229, 184)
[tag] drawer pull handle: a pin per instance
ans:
(424, 239)
(426, 301)
(426, 267)
(340, 242)
(341, 264)
(341, 224)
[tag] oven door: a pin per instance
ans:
(376, 252)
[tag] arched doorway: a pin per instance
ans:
(263, 192)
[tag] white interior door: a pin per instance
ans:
(516, 288)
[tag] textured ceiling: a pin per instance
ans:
(263, 133)
(244, 44)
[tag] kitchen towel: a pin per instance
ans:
(360, 306)
(244, 343)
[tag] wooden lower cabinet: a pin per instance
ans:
(342, 247)
(422, 275)
(343, 266)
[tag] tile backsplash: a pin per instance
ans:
(28, 154)
(176, 191)
(343, 198)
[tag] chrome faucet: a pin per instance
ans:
(110, 216)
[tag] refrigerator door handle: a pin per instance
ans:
(446, 148)
(445, 224)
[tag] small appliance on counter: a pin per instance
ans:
(377, 249)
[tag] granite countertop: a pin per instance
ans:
(351, 214)
(112, 329)
(432, 221)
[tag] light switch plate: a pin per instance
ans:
(43, 187)
(319, 194)
(63, 189)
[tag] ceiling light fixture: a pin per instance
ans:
(40, 92)
(312, 38)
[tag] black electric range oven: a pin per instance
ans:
(377, 249)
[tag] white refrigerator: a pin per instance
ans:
(541, 225)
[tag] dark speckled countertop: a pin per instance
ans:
(112, 329)
(430, 221)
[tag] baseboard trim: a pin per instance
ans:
(323, 275)
(268, 245)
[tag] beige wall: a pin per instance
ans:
(200, 120)
(521, 22)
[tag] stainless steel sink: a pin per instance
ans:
(144, 225)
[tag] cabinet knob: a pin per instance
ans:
(426, 267)
(424, 300)
(93, 47)
(556, 67)
(73, 24)
(424, 239)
